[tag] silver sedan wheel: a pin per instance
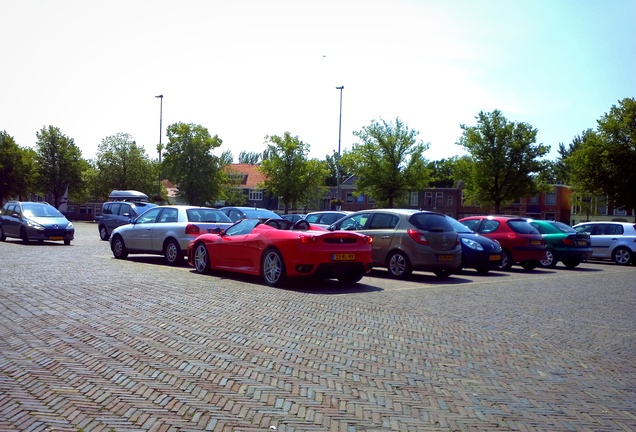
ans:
(622, 256)
(172, 252)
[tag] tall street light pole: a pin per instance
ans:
(339, 137)
(160, 147)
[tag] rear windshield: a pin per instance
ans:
(430, 222)
(522, 227)
(563, 227)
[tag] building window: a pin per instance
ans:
(413, 199)
(550, 197)
(360, 199)
(534, 199)
(449, 201)
(620, 212)
(370, 200)
(428, 199)
(256, 195)
(350, 197)
(439, 199)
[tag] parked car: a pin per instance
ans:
(406, 239)
(117, 213)
(325, 218)
(520, 242)
(563, 243)
(611, 240)
(39, 221)
(478, 252)
(166, 230)
(294, 217)
(238, 213)
(278, 250)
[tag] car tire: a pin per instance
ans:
(172, 252)
(119, 248)
(201, 258)
(24, 236)
(2, 236)
(571, 263)
(103, 232)
(549, 261)
(398, 265)
(444, 273)
(273, 268)
(506, 260)
(529, 265)
(483, 270)
(622, 256)
(67, 242)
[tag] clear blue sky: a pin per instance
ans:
(247, 69)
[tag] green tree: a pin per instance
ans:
(604, 162)
(506, 160)
(288, 171)
(335, 167)
(388, 162)
(251, 158)
(10, 161)
(59, 163)
(191, 165)
(121, 164)
(447, 172)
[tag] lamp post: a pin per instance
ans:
(339, 137)
(160, 147)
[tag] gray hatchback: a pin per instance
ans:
(405, 240)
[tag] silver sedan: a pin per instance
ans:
(166, 230)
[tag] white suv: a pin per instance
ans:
(611, 240)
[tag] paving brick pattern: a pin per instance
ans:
(91, 343)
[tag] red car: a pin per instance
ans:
(277, 249)
(520, 242)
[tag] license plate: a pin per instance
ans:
(582, 243)
(495, 257)
(56, 238)
(445, 258)
(536, 242)
(343, 257)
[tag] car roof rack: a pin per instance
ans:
(127, 195)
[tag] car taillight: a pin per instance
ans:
(568, 241)
(307, 239)
(417, 236)
(192, 229)
(367, 240)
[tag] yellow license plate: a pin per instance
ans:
(495, 257)
(536, 242)
(343, 257)
(445, 258)
(56, 238)
(582, 243)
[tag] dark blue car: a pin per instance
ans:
(478, 252)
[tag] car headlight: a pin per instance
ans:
(70, 226)
(472, 244)
(34, 225)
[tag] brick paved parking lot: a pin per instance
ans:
(91, 343)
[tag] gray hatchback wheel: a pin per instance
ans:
(399, 265)
(622, 256)
(103, 233)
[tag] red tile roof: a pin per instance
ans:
(252, 176)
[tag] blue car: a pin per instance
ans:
(34, 221)
(478, 252)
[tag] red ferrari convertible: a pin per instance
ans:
(277, 249)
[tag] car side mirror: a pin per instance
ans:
(217, 230)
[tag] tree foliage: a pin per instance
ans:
(191, 165)
(388, 162)
(17, 168)
(59, 163)
(604, 161)
(335, 169)
(121, 164)
(288, 171)
(506, 159)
